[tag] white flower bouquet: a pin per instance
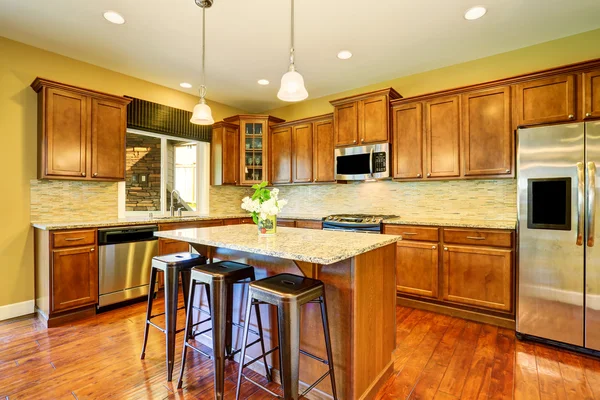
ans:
(264, 205)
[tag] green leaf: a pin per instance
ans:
(255, 218)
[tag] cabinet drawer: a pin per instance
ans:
(190, 224)
(233, 221)
(74, 238)
(290, 223)
(246, 221)
(309, 224)
(413, 232)
(478, 237)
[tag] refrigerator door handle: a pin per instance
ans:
(580, 203)
(591, 211)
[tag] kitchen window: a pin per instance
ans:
(156, 165)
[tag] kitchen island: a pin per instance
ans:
(358, 271)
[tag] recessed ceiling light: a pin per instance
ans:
(475, 13)
(185, 85)
(344, 55)
(263, 82)
(114, 17)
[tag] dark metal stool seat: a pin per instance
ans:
(172, 265)
(288, 293)
(218, 280)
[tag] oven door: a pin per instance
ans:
(360, 163)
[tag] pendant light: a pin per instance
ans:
(292, 83)
(202, 114)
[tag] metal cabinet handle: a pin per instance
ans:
(445, 249)
(95, 174)
(508, 171)
(475, 238)
(409, 233)
(580, 203)
(418, 175)
(591, 212)
(354, 142)
(73, 239)
(433, 247)
(92, 249)
(571, 116)
(588, 114)
(83, 174)
(362, 140)
(314, 180)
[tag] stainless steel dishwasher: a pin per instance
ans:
(124, 262)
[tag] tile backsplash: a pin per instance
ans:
(57, 200)
(465, 199)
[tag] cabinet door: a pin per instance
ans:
(480, 277)
(254, 154)
(346, 124)
(231, 156)
(109, 123)
(323, 153)
(407, 131)
(74, 278)
(546, 100)
(66, 128)
(443, 137)
(170, 246)
(417, 268)
(281, 155)
(302, 154)
(373, 120)
(487, 145)
(591, 94)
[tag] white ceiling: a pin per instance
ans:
(249, 39)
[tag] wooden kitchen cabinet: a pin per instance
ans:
(363, 119)
(323, 150)
(480, 277)
(546, 100)
(225, 154)
(302, 155)
(487, 132)
(74, 278)
(170, 246)
(407, 141)
(442, 128)
(417, 268)
(591, 94)
(287, 223)
(81, 133)
(281, 155)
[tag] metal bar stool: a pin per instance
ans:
(218, 280)
(172, 265)
(288, 293)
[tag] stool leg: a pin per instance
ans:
(229, 321)
(149, 309)
(244, 344)
(260, 336)
(188, 328)
(185, 284)
(219, 295)
(171, 292)
(289, 348)
(328, 344)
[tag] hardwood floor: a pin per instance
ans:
(438, 357)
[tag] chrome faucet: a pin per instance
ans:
(172, 209)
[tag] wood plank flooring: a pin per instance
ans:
(437, 357)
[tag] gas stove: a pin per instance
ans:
(369, 223)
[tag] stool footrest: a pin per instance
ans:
(201, 332)
(262, 387)
(306, 353)
(233, 353)
(205, 354)
(311, 387)
(261, 356)
(156, 326)
(241, 326)
(201, 322)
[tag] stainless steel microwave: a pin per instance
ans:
(359, 163)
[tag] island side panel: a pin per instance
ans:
(338, 288)
(374, 325)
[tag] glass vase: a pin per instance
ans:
(268, 226)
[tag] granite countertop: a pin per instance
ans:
(309, 245)
(459, 223)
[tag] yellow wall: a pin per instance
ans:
(563, 51)
(19, 65)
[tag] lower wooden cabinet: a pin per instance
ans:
(170, 246)
(417, 268)
(479, 277)
(288, 223)
(74, 277)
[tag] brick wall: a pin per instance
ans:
(143, 158)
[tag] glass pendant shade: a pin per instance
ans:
(202, 114)
(292, 87)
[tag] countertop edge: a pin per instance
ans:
(490, 224)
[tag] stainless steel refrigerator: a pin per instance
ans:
(559, 257)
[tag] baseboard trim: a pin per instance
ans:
(15, 310)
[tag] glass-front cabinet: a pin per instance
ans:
(254, 146)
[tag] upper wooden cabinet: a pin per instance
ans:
(281, 155)
(591, 94)
(442, 129)
(486, 132)
(407, 141)
(81, 133)
(253, 146)
(225, 154)
(546, 100)
(303, 151)
(364, 118)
